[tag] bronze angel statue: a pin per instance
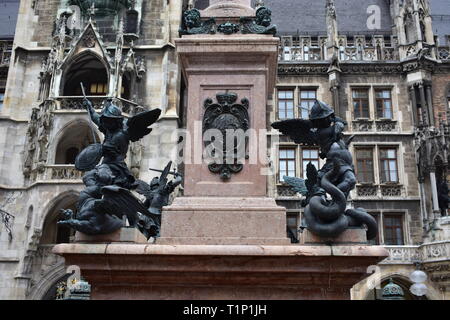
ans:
(109, 183)
(324, 217)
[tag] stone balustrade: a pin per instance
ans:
(379, 191)
(402, 255)
(75, 103)
(432, 252)
(357, 48)
(60, 172)
(379, 125)
(286, 191)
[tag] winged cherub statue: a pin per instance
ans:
(109, 189)
(324, 217)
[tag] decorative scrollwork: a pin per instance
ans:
(367, 191)
(228, 28)
(391, 191)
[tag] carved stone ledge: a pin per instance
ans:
(364, 125)
(285, 191)
(393, 190)
(367, 190)
(386, 125)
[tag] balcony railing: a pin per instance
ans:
(402, 255)
(425, 253)
(76, 103)
(357, 48)
(379, 191)
(60, 172)
(379, 125)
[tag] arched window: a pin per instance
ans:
(89, 70)
(75, 138)
(52, 233)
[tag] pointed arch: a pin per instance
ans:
(51, 232)
(90, 69)
(72, 139)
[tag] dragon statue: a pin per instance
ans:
(323, 216)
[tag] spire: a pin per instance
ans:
(332, 29)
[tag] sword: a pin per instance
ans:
(158, 170)
(90, 120)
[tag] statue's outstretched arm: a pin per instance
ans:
(94, 115)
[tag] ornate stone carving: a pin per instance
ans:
(402, 255)
(285, 191)
(226, 115)
(228, 28)
(367, 191)
(102, 7)
(261, 24)
(194, 25)
(386, 125)
(362, 125)
(89, 39)
(391, 190)
(31, 142)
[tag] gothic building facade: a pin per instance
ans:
(120, 50)
(385, 71)
(384, 65)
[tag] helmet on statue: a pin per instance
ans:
(111, 111)
(320, 110)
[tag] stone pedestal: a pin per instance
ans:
(223, 220)
(125, 234)
(226, 272)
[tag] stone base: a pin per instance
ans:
(125, 234)
(220, 220)
(349, 236)
(226, 272)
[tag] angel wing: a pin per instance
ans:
(298, 130)
(138, 125)
(143, 188)
(297, 184)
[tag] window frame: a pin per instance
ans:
(296, 100)
(367, 91)
(390, 99)
(284, 99)
(371, 149)
(309, 100)
(381, 168)
(302, 159)
(286, 147)
(401, 218)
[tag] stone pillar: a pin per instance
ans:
(430, 104)
(423, 103)
(214, 209)
(434, 193)
(412, 94)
